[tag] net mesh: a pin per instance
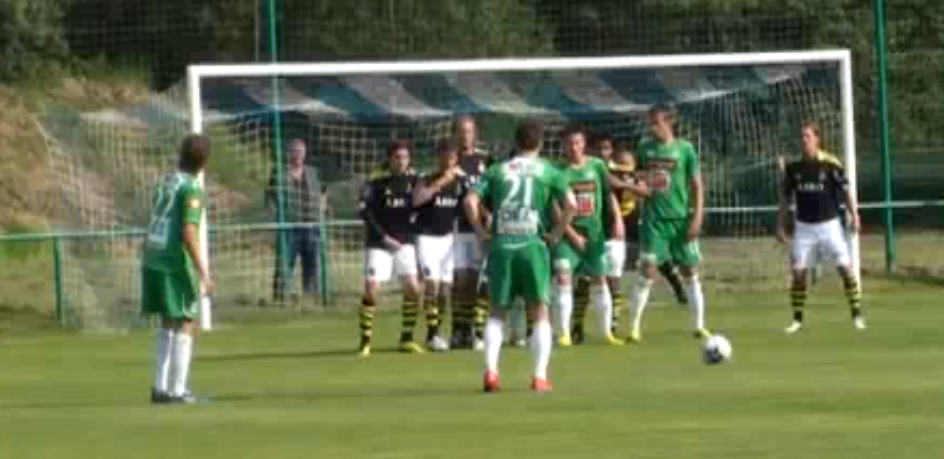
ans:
(740, 118)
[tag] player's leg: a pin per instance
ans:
(181, 309)
(594, 265)
(670, 272)
(483, 307)
(404, 264)
(654, 251)
(152, 303)
(434, 252)
(501, 288)
(378, 268)
(802, 254)
(687, 255)
(466, 281)
(615, 261)
(565, 261)
(835, 244)
(534, 270)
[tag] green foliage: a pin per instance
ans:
(32, 42)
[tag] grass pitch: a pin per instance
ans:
(294, 389)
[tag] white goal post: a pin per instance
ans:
(841, 59)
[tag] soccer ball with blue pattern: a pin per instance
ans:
(716, 349)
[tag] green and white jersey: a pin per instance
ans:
(519, 192)
(589, 185)
(669, 169)
(177, 201)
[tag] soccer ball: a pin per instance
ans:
(716, 349)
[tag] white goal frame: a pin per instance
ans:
(843, 57)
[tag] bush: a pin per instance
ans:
(32, 38)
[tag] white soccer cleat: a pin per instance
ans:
(794, 327)
(859, 323)
(437, 344)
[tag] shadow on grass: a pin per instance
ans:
(304, 354)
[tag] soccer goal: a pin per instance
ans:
(742, 112)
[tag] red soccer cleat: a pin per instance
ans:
(541, 386)
(492, 383)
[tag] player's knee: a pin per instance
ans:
(431, 287)
(370, 290)
(688, 272)
(539, 312)
(799, 279)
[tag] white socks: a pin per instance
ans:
(180, 362)
(696, 302)
(162, 351)
(565, 305)
(541, 347)
(604, 307)
(640, 298)
(493, 343)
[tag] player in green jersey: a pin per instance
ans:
(519, 191)
(671, 216)
(583, 251)
(173, 270)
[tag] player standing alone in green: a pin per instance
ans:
(173, 270)
(671, 217)
(519, 192)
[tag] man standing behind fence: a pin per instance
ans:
(303, 203)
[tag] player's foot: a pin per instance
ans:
(635, 336)
(364, 351)
(410, 347)
(702, 333)
(611, 340)
(478, 344)
(159, 397)
(541, 386)
(577, 336)
(491, 383)
(794, 327)
(859, 323)
(437, 344)
(187, 398)
(564, 340)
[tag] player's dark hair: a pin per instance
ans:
(622, 147)
(448, 145)
(601, 137)
(529, 135)
(573, 129)
(662, 109)
(194, 153)
(397, 144)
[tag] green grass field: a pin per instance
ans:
(290, 387)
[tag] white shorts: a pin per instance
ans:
(436, 257)
(615, 258)
(381, 264)
(468, 251)
(814, 240)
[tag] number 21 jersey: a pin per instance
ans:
(178, 201)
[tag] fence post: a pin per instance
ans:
(60, 293)
(881, 57)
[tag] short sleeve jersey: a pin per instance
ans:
(178, 200)
(438, 216)
(388, 197)
(669, 168)
(520, 191)
(818, 187)
(589, 185)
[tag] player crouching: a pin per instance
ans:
(437, 200)
(387, 211)
(817, 184)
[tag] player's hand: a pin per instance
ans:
(694, 228)
(392, 244)
(856, 225)
(642, 189)
(209, 287)
(579, 242)
(484, 236)
(781, 234)
(553, 237)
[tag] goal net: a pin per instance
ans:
(741, 111)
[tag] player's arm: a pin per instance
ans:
(638, 186)
(473, 204)
(697, 195)
(192, 213)
(567, 209)
(616, 219)
(368, 207)
(786, 200)
(426, 189)
(840, 181)
(569, 232)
